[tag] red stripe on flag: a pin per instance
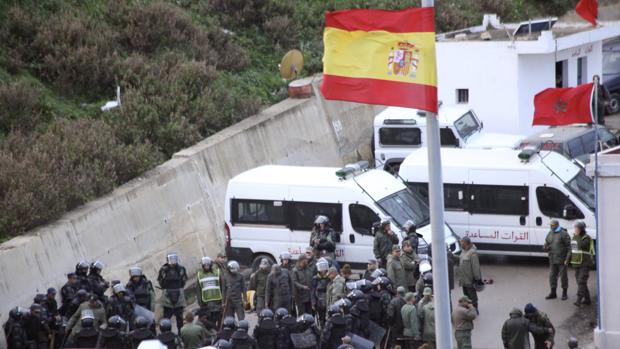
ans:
(415, 19)
(382, 92)
(563, 106)
(588, 10)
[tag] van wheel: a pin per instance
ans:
(258, 258)
(614, 104)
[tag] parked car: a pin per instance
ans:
(611, 74)
(399, 131)
(575, 142)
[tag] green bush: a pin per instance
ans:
(43, 175)
(21, 107)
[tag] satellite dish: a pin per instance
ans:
(291, 65)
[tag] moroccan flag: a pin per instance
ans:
(381, 57)
(563, 106)
(588, 10)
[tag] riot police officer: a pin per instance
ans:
(113, 335)
(120, 303)
(323, 237)
(172, 277)
(81, 271)
(335, 328)
(141, 288)
(167, 337)
(228, 328)
(318, 294)
(241, 339)
(14, 330)
(236, 297)
(302, 281)
(306, 335)
(265, 332)
(285, 324)
(141, 332)
(67, 293)
(37, 329)
(98, 284)
(88, 334)
(209, 291)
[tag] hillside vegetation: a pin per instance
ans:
(186, 68)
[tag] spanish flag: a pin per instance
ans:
(381, 57)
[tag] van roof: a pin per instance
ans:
(446, 115)
(558, 134)
(496, 159)
(377, 183)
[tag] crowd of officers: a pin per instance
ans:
(310, 303)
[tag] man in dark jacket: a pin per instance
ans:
(236, 297)
(279, 290)
(121, 304)
(98, 284)
(384, 240)
(557, 244)
(88, 335)
(167, 337)
(302, 281)
(394, 317)
(114, 335)
(67, 293)
(228, 328)
(14, 331)
(543, 338)
(285, 324)
(469, 270)
(318, 294)
(258, 283)
(515, 332)
(409, 260)
(335, 328)
(37, 329)
(140, 333)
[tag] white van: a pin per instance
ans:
(399, 131)
(504, 199)
(271, 209)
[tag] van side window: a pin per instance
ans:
(498, 199)
(303, 214)
(551, 202)
(447, 138)
(362, 218)
(400, 136)
(453, 200)
(258, 212)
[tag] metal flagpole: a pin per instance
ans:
(443, 326)
(596, 140)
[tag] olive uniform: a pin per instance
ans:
(335, 289)
(209, 293)
(258, 283)
(396, 272)
(582, 258)
(143, 292)
(382, 246)
(558, 246)
(463, 321)
(172, 279)
(302, 281)
(469, 273)
(326, 242)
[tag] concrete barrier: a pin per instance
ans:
(179, 205)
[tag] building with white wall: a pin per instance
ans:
(496, 69)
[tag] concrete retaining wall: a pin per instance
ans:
(179, 205)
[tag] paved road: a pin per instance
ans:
(518, 281)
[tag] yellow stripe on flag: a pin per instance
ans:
(402, 57)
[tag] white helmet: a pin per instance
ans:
(135, 271)
(206, 261)
(322, 264)
(233, 266)
(425, 266)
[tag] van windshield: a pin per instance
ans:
(402, 206)
(467, 125)
(582, 186)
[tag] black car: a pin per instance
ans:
(611, 74)
(573, 141)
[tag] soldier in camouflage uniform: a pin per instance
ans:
(172, 278)
(543, 336)
(557, 244)
(581, 257)
(302, 281)
(382, 245)
(336, 288)
(258, 283)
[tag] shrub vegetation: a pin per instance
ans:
(186, 68)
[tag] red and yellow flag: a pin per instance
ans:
(381, 57)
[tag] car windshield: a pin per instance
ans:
(403, 205)
(467, 125)
(582, 186)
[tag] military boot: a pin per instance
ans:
(578, 302)
(586, 299)
(564, 294)
(552, 294)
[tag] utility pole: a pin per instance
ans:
(443, 326)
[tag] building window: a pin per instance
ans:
(561, 74)
(462, 95)
(582, 72)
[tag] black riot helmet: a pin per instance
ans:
(223, 344)
(17, 313)
(229, 322)
(306, 319)
(88, 319)
(281, 313)
(244, 325)
(333, 310)
(165, 325)
(142, 322)
(355, 295)
(116, 322)
(81, 268)
(266, 314)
